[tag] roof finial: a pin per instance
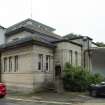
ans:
(31, 9)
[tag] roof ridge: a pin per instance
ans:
(29, 19)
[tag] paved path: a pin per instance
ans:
(90, 104)
(87, 101)
(5, 102)
(29, 102)
(91, 101)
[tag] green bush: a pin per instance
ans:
(78, 78)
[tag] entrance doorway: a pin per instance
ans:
(58, 71)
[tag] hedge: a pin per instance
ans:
(79, 79)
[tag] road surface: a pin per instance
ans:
(92, 101)
(13, 102)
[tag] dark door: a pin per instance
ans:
(57, 71)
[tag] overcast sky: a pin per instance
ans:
(85, 17)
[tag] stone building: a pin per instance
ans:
(32, 55)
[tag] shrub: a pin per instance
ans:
(78, 78)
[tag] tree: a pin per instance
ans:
(100, 44)
(71, 36)
(79, 79)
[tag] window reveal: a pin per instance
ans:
(40, 62)
(5, 64)
(16, 64)
(10, 64)
(47, 62)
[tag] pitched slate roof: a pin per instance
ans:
(32, 26)
(40, 36)
(2, 27)
(27, 41)
(24, 22)
(66, 40)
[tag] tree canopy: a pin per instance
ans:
(100, 44)
(71, 36)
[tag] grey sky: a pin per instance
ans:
(86, 17)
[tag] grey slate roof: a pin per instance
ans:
(22, 23)
(39, 35)
(2, 27)
(27, 40)
(67, 40)
(50, 34)
(31, 25)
